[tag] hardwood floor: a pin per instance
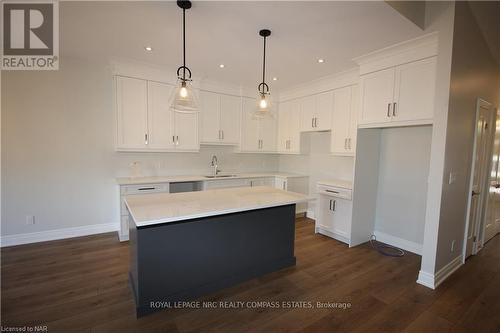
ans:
(81, 285)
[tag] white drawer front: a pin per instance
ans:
(337, 192)
(144, 188)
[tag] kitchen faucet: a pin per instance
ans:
(215, 167)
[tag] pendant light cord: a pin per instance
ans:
(264, 65)
(184, 43)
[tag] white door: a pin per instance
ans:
(353, 120)
(340, 121)
(294, 127)
(307, 112)
(268, 133)
(160, 121)
(186, 131)
(377, 91)
(132, 113)
(209, 117)
(323, 114)
(283, 126)
(480, 177)
(250, 126)
(230, 113)
(414, 90)
(492, 220)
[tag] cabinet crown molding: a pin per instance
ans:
(411, 50)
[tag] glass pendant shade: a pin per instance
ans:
(183, 98)
(263, 107)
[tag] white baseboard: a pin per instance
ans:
(434, 280)
(399, 242)
(43, 236)
(310, 214)
(334, 235)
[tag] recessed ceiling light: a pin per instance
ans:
(321, 61)
(221, 66)
(148, 48)
(275, 78)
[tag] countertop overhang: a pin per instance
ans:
(151, 209)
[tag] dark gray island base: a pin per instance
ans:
(181, 261)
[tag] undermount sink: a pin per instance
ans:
(220, 176)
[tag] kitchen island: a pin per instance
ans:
(186, 245)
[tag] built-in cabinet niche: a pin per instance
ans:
(390, 185)
(145, 121)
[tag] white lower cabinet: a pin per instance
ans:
(334, 212)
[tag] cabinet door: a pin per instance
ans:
(324, 213)
(268, 132)
(294, 127)
(353, 119)
(307, 112)
(132, 113)
(323, 114)
(160, 120)
(249, 126)
(340, 121)
(209, 117)
(283, 126)
(414, 90)
(342, 212)
(377, 90)
(230, 113)
(186, 130)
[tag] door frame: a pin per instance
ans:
(482, 202)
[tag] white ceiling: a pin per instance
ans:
(227, 32)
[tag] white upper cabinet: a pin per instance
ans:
(220, 118)
(344, 121)
(257, 135)
(230, 114)
(145, 121)
(377, 90)
(397, 84)
(316, 112)
(132, 113)
(414, 90)
(400, 95)
(209, 117)
(289, 127)
(161, 129)
(186, 131)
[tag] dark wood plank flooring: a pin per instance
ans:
(81, 285)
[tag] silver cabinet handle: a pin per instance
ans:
(315, 122)
(330, 205)
(177, 139)
(388, 110)
(312, 122)
(394, 109)
(345, 143)
(146, 139)
(284, 185)
(173, 139)
(222, 132)
(261, 143)
(349, 143)
(219, 135)
(334, 205)
(332, 191)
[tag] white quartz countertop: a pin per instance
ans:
(336, 183)
(150, 209)
(195, 178)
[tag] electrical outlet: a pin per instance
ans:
(30, 219)
(453, 246)
(453, 177)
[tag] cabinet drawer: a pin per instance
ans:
(337, 192)
(143, 188)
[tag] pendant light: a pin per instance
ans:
(183, 98)
(264, 102)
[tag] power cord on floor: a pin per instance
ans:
(386, 250)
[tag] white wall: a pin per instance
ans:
(402, 182)
(319, 163)
(58, 158)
